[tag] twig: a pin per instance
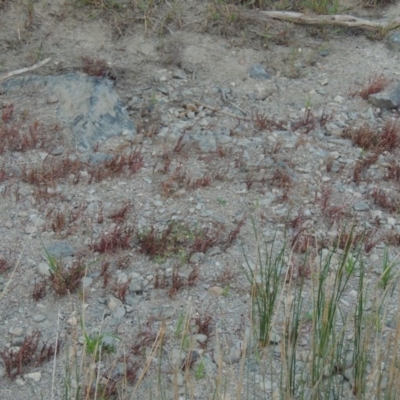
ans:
(8, 75)
(217, 110)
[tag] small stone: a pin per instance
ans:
(136, 139)
(19, 381)
(162, 313)
(52, 99)
(33, 376)
(196, 258)
(119, 312)
(266, 386)
(72, 321)
(393, 41)
(339, 99)
(216, 290)
(179, 74)
(361, 206)
(113, 303)
(30, 229)
(39, 317)
(233, 357)
(201, 338)
(86, 282)
(257, 71)
(391, 221)
(177, 379)
(16, 331)
(191, 107)
(135, 287)
(163, 90)
(59, 250)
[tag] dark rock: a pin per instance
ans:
(89, 105)
(389, 98)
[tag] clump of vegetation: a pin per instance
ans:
(119, 238)
(180, 240)
(63, 279)
(375, 84)
(33, 352)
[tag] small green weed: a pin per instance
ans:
(95, 345)
(221, 201)
(200, 371)
(387, 271)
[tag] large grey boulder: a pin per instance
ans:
(88, 105)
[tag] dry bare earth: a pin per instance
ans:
(283, 160)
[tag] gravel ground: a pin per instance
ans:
(225, 135)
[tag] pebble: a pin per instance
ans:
(162, 313)
(361, 206)
(257, 71)
(16, 331)
(216, 290)
(113, 303)
(39, 318)
(59, 250)
(33, 376)
(393, 41)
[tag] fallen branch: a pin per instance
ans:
(335, 20)
(8, 75)
(218, 110)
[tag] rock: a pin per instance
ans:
(135, 287)
(179, 74)
(216, 290)
(163, 312)
(16, 331)
(208, 144)
(257, 71)
(361, 206)
(201, 338)
(389, 98)
(333, 130)
(349, 375)
(39, 317)
(393, 41)
(113, 303)
(73, 321)
(33, 376)
(119, 312)
(231, 357)
(177, 379)
(196, 258)
(59, 250)
(86, 282)
(88, 104)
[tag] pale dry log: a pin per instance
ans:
(335, 20)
